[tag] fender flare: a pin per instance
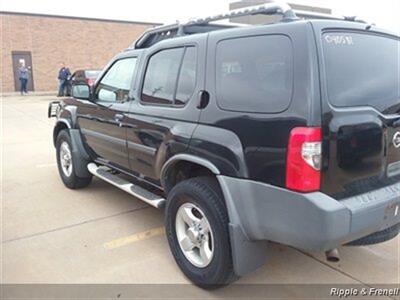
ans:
(60, 123)
(189, 158)
(65, 121)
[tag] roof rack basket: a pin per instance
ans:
(157, 34)
(154, 35)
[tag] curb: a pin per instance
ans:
(18, 94)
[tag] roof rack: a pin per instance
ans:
(157, 34)
(154, 35)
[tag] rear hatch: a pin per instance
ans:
(360, 111)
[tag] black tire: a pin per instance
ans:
(71, 181)
(377, 237)
(205, 193)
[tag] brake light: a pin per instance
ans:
(303, 164)
(89, 81)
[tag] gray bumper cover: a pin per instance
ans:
(312, 221)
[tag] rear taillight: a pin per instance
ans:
(89, 81)
(303, 165)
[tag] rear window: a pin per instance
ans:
(362, 69)
(92, 74)
(254, 74)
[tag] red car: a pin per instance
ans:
(82, 77)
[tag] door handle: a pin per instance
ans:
(93, 118)
(118, 117)
(126, 125)
(204, 99)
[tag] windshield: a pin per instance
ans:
(362, 69)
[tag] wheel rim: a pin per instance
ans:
(195, 236)
(66, 159)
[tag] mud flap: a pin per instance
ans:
(79, 155)
(247, 256)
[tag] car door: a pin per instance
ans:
(165, 114)
(102, 121)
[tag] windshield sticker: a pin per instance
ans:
(339, 39)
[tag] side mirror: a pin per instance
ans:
(81, 91)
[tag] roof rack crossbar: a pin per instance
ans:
(266, 9)
(316, 15)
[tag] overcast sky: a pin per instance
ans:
(384, 13)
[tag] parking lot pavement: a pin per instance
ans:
(51, 234)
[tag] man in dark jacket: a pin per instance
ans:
(63, 76)
(23, 76)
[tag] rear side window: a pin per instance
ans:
(254, 74)
(187, 77)
(170, 77)
(362, 70)
(161, 75)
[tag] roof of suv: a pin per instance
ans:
(316, 23)
(199, 27)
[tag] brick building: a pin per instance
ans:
(43, 41)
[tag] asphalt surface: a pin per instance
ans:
(50, 234)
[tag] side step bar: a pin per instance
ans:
(133, 189)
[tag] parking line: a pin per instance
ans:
(141, 236)
(46, 165)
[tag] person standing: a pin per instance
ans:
(63, 76)
(23, 75)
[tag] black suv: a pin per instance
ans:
(287, 132)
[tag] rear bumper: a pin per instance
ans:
(312, 221)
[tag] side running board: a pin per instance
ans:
(133, 189)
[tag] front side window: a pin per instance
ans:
(254, 74)
(115, 85)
